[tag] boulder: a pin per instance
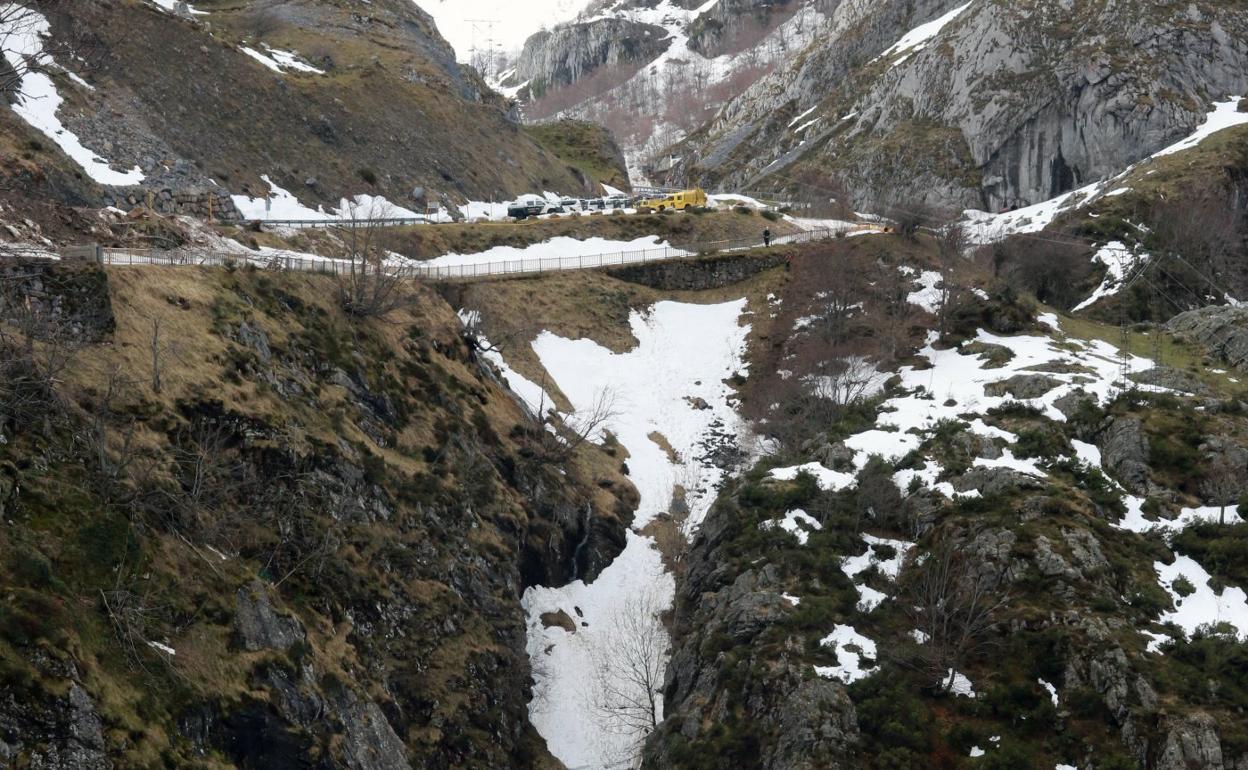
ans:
(994, 481)
(1124, 452)
(1022, 386)
(258, 624)
(1074, 402)
(1223, 331)
(369, 743)
(1174, 379)
(1191, 742)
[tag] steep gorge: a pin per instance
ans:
(243, 529)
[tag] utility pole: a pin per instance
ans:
(483, 27)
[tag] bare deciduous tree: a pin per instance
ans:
(37, 346)
(953, 605)
(850, 380)
(628, 664)
(1224, 481)
(559, 436)
(1203, 231)
(951, 242)
(21, 50)
(368, 286)
(1054, 268)
(910, 216)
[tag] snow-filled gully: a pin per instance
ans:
(685, 353)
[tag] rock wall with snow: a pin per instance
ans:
(978, 104)
(691, 58)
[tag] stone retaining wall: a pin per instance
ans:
(690, 274)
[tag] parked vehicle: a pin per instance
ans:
(678, 201)
(527, 206)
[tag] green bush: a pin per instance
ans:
(771, 216)
(368, 175)
(1041, 443)
(1183, 587)
(1223, 550)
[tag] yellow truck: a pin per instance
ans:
(678, 201)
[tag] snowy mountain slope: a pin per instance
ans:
(329, 100)
(652, 72)
(998, 104)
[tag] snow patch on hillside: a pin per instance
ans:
(281, 61)
(1119, 261)
(918, 38)
(1202, 605)
(855, 654)
(561, 248)
(684, 352)
(1223, 116)
(171, 6)
(37, 100)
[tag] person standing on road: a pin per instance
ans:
(767, 237)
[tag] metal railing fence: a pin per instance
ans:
(278, 260)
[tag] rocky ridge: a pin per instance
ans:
(1006, 104)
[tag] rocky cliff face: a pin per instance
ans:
(675, 63)
(304, 550)
(1001, 105)
(732, 26)
(566, 54)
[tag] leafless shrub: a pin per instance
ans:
(1203, 232)
(953, 605)
(135, 608)
(628, 661)
(209, 474)
(23, 50)
(368, 287)
(119, 470)
(262, 23)
(1224, 480)
(1054, 268)
(951, 243)
(910, 216)
(37, 347)
(559, 437)
(19, 23)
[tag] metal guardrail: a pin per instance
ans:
(324, 224)
(297, 262)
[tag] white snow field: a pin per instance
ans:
(37, 100)
(684, 352)
(562, 252)
(281, 204)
